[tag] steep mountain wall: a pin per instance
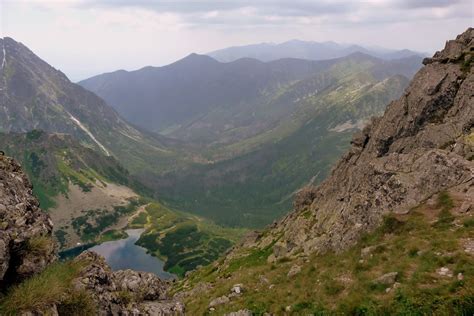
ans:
(23, 225)
(423, 144)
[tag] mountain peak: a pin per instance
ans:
(196, 58)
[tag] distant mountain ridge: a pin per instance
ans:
(34, 95)
(176, 94)
(202, 100)
(305, 50)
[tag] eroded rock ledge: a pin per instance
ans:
(23, 225)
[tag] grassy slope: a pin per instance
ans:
(414, 245)
(52, 161)
(184, 241)
(91, 226)
(52, 286)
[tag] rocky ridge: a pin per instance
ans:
(423, 144)
(22, 222)
(26, 249)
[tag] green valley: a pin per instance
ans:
(183, 240)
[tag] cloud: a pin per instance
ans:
(410, 4)
(283, 7)
(247, 13)
(86, 37)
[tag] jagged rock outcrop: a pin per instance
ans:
(124, 292)
(26, 247)
(423, 144)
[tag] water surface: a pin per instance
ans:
(124, 254)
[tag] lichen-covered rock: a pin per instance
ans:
(242, 312)
(387, 279)
(423, 144)
(124, 292)
(221, 300)
(26, 247)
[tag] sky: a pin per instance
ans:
(83, 38)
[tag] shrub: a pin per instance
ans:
(413, 252)
(445, 218)
(469, 222)
(39, 245)
(77, 304)
(391, 225)
(445, 202)
(298, 307)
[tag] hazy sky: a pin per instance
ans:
(87, 37)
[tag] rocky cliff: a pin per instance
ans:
(28, 266)
(423, 144)
(23, 226)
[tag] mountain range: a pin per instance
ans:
(256, 125)
(389, 231)
(305, 50)
(231, 133)
(204, 101)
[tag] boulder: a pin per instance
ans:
(124, 292)
(445, 272)
(237, 288)
(387, 279)
(294, 270)
(367, 251)
(219, 301)
(242, 312)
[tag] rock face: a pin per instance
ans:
(26, 247)
(423, 144)
(125, 291)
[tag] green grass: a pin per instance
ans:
(77, 303)
(92, 224)
(39, 245)
(468, 222)
(184, 241)
(445, 218)
(52, 162)
(52, 286)
(110, 235)
(342, 283)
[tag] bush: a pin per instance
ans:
(445, 202)
(469, 222)
(391, 225)
(302, 306)
(77, 304)
(39, 245)
(445, 218)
